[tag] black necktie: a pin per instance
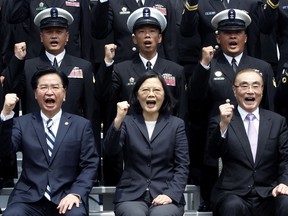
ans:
(140, 3)
(234, 65)
(148, 65)
(55, 63)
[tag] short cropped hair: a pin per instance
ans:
(49, 70)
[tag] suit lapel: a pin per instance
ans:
(217, 5)
(264, 128)
(160, 66)
(140, 123)
(244, 63)
(138, 67)
(161, 123)
(66, 65)
(44, 61)
(37, 123)
(240, 132)
(132, 5)
(225, 67)
(63, 128)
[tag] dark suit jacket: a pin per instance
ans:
(211, 88)
(111, 16)
(118, 83)
(188, 47)
(80, 99)
(239, 171)
(79, 43)
(282, 34)
(160, 164)
(262, 20)
(281, 103)
(13, 83)
(208, 89)
(74, 162)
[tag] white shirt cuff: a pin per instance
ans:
(108, 64)
(5, 118)
(207, 67)
(223, 135)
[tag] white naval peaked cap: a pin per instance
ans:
(146, 16)
(53, 17)
(231, 19)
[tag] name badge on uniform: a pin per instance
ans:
(210, 13)
(76, 73)
(124, 10)
(131, 81)
(72, 3)
(218, 75)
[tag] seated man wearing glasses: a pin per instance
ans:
(253, 145)
(60, 160)
(211, 82)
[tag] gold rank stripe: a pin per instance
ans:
(191, 8)
(272, 5)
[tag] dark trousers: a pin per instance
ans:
(8, 170)
(143, 207)
(42, 207)
(251, 205)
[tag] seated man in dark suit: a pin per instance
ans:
(54, 26)
(211, 82)
(59, 156)
(253, 145)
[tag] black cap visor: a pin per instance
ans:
(53, 22)
(146, 21)
(231, 25)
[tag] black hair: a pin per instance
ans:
(168, 102)
(48, 70)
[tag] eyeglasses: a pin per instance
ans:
(246, 87)
(54, 88)
(146, 91)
